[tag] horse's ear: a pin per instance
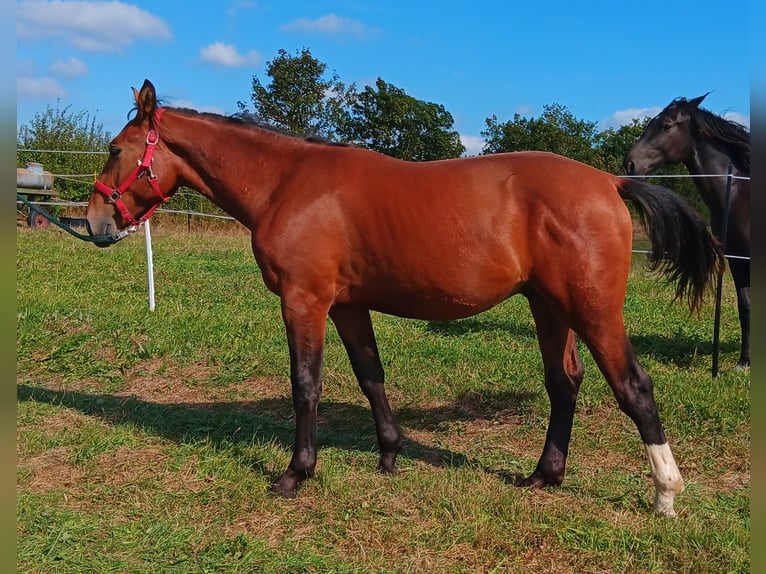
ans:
(146, 100)
(698, 100)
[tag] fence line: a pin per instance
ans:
(228, 217)
(686, 175)
(72, 151)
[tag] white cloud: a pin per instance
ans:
(524, 110)
(69, 68)
(625, 117)
(739, 118)
(330, 24)
(473, 144)
(39, 88)
(88, 25)
(227, 55)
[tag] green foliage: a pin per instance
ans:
(60, 129)
(302, 100)
(387, 120)
(613, 145)
(299, 99)
(557, 130)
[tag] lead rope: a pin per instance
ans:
(109, 239)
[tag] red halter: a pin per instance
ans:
(144, 166)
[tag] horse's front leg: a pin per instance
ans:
(305, 320)
(355, 330)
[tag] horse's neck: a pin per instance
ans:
(709, 159)
(236, 168)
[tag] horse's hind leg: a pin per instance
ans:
(634, 391)
(355, 330)
(740, 271)
(563, 375)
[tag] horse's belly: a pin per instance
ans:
(432, 303)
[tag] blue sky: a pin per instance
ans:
(606, 61)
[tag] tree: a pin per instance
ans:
(60, 130)
(387, 120)
(300, 99)
(557, 130)
(613, 145)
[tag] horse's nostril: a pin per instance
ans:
(631, 168)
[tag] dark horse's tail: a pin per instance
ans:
(683, 249)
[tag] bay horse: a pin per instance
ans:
(707, 144)
(339, 230)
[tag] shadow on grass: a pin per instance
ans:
(677, 349)
(479, 324)
(342, 425)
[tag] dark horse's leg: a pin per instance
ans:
(305, 321)
(740, 271)
(563, 375)
(355, 330)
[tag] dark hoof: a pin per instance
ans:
(537, 480)
(287, 485)
(387, 464)
(289, 494)
(533, 481)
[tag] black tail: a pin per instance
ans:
(683, 249)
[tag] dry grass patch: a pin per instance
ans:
(52, 470)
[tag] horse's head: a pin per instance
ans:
(666, 139)
(138, 176)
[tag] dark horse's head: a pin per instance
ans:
(676, 133)
(666, 139)
(136, 178)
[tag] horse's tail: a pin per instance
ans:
(682, 247)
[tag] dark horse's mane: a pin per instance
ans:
(245, 119)
(735, 137)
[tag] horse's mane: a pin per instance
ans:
(734, 136)
(250, 120)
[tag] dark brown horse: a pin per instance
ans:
(339, 231)
(707, 144)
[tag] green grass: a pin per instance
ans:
(147, 441)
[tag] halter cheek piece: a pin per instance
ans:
(143, 167)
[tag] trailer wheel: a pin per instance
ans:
(36, 220)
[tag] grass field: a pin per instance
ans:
(147, 441)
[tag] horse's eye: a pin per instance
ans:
(114, 151)
(666, 127)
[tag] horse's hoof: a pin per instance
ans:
(286, 486)
(534, 480)
(387, 465)
(288, 493)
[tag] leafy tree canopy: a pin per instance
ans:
(557, 130)
(300, 98)
(60, 129)
(387, 120)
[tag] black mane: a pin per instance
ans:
(734, 136)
